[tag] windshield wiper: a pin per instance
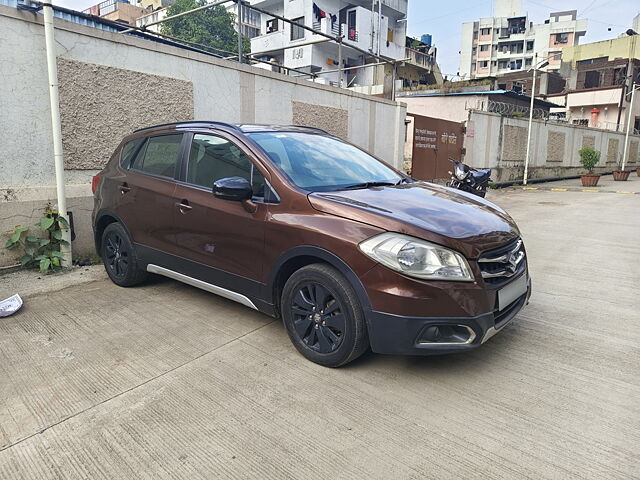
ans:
(358, 186)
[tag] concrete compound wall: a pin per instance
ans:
(111, 84)
(500, 143)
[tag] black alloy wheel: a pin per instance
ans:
(119, 257)
(318, 318)
(323, 316)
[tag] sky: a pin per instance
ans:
(444, 19)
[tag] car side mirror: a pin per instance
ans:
(235, 189)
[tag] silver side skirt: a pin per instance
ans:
(194, 282)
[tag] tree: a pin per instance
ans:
(213, 27)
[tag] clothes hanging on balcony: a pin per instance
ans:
(319, 14)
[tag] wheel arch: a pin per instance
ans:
(102, 221)
(302, 256)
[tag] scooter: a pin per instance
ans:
(469, 179)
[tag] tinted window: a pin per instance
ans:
(129, 150)
(212, 158)
(322, 163)
(160, 156)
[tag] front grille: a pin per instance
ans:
(499, 265)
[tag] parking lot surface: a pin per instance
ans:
(167, 381)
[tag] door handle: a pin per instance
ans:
(124, 188)
(183, 206)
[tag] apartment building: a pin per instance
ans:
(599, 78)
(378, 27)
(117, 10)
(510, 41)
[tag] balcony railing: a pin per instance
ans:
(420, 59)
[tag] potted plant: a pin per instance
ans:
(589, 157)
(621, 175)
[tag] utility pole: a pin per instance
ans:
(634, 87)
(533, 95)
(56, 130)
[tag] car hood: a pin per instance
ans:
(462, 221)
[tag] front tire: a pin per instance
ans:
(323, 316)
(119, 257)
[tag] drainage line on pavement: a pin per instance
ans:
(537, 180)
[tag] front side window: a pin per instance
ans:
(322, 163)
(212, 158)
(159, 156)
(297, 32)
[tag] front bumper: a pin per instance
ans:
(405, 335)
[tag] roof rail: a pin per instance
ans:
(189, 122)
(310, 128)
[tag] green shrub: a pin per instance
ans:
(43, 252)
(589, 157)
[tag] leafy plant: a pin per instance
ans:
(589, 157)
(41, 251)
(213, 27)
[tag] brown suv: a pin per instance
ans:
(296, 223)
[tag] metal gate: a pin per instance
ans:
(434, 142)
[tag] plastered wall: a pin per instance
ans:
(111, 84)
(500, 143)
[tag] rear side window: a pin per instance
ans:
(129, 150)
(212, 158)
(160, 156)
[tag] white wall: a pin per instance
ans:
(485, 147)
(222, 91)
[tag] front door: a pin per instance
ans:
(226, 235)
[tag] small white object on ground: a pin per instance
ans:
(10, 305)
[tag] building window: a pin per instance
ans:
(485, 31)
(582, 122)
(297, 32)
(484, 48)
(473, 67)
(592, 79)
(272, 25)
(475, 34)
(484, 64)
(474, 51)
(527, 62)
(530, 46)
(562, 38)
(502, 65)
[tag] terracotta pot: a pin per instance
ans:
(590, 180)
(621, 175)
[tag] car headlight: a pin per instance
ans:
(461, 174)
(416, 258)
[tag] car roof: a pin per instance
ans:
(243, 128)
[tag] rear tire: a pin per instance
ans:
(323, 316)
(119, 257)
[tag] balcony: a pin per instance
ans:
(269, 42)
(420, 59)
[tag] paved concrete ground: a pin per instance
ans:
(166, 381)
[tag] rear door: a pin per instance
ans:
(147, 201)
(226, 235)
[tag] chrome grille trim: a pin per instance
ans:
(502, 265)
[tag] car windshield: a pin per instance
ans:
(321, 163)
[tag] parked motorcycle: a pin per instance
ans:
(469, 179)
